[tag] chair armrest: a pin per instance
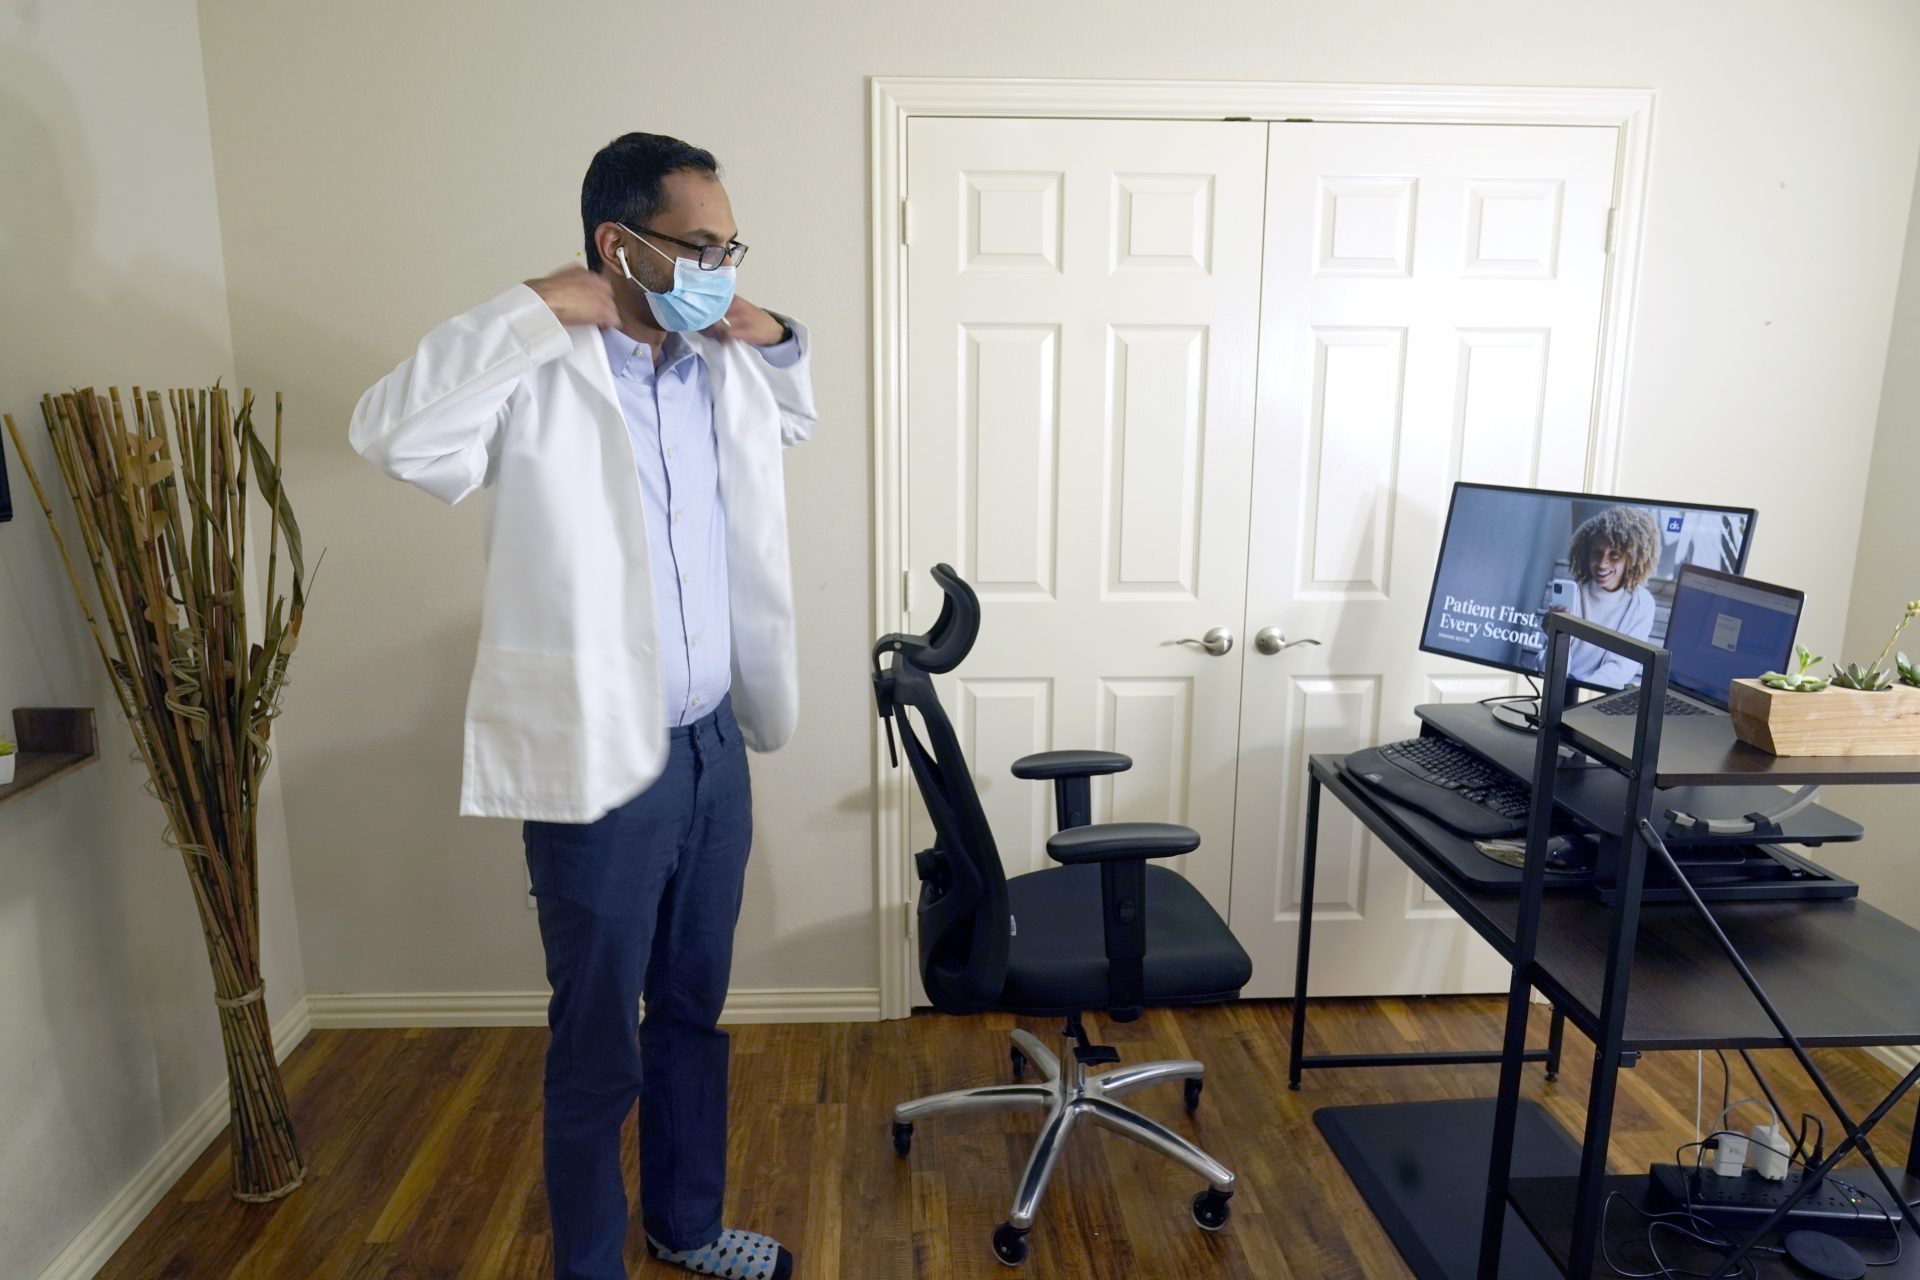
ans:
(1121, 841)
(1071, 773)
(1048, 765)
(1121, 850)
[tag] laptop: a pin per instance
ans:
(1722, 628)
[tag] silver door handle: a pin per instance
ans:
(1218, 642)
(1273, 640)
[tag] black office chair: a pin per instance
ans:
(1101, 931)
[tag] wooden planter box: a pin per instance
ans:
(1832, 722)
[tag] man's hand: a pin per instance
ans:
(576, 295)
(748, 323)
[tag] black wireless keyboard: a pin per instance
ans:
(1628, 704)
(1446, 782)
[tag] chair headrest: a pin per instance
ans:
(940, 650)
(947, 643)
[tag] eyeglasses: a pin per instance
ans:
(712, 256)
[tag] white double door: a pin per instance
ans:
(1168, 379)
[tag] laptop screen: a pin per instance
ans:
(1725, 628)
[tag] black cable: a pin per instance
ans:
(1664, 1272)
(1899, 1244)
(1818, 1152)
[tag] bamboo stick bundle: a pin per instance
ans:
(162, 509)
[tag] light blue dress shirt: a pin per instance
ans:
(669, 413)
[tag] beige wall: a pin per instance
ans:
(109, 272)
(1886, 576)
(383, 166)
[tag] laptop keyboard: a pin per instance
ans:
(1628, 704)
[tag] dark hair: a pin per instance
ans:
(1631, 531)
(623, 183)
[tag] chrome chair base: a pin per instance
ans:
(1071, 1097)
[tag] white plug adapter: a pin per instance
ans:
(1729, 1155)
(1769, 1152)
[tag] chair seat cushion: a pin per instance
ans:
(1057, 960)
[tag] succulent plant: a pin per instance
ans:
(1865, 679)
(1802, 680)
(1874, 676)
(1909, 671)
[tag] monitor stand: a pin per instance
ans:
(1521, 713)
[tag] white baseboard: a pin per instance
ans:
(1901, 1057)
(89, 1251)
(529, 1008)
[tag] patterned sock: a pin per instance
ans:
(736, 1255)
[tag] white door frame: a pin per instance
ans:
(892, 101)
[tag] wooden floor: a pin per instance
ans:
(424, 1150)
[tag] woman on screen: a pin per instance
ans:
(1612, 555)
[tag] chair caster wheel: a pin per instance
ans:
(1010, 1244)
(1194, 1086)
(1210, 1209)
(902, 1138)
(1019, 1065)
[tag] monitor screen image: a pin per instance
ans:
(1509, 557)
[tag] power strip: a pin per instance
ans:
(1746, 1201)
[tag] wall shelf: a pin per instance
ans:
(53, 742)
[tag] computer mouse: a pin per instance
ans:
(1829, 1257)
(1571, 853)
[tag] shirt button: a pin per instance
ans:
(669, 453)
(686, 577)
(694, 643)
(676, 517)
(696, 702)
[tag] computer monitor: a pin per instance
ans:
(1725, 628)
(1510, 556)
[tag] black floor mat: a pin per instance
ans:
(1422, 1169)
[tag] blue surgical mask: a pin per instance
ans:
(698, 298)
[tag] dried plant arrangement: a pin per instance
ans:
(162, 503)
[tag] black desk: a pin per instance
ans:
(1815, 957)
(1826, 965)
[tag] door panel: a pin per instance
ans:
(1430, 312)
(1082, 307)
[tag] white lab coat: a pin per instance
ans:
(564, 718)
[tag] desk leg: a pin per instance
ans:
(1556, 1033)
(1589, 1195)
(1309, 856)
(1913, 1149)
(1505, 1119)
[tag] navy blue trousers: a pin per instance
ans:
(643, 901)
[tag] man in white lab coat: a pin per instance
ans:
(636, 635)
